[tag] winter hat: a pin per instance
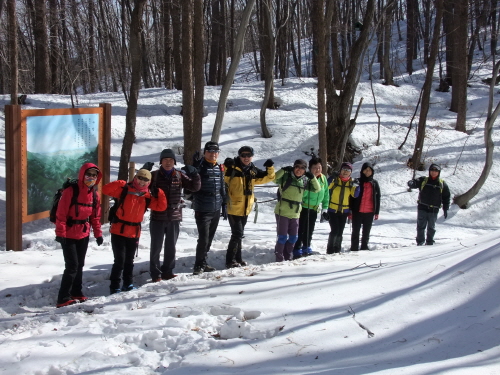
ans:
(367, 165)
(211, 146)
(245, 149)
(95, 170)
(346, 165)
(144, 173)
(167, 153)
(300, 163)
(435, 166)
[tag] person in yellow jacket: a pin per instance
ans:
(341, 187)
(240, 177)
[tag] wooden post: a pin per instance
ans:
(13, 154)
(106, 152)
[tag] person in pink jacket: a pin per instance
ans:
(73, 223)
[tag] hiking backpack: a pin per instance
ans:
(74, 200)
(119, 202)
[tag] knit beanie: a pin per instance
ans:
(346, 165)
(245, 149)
(168, 153)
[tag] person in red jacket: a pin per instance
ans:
(126, 225)
(73, 222)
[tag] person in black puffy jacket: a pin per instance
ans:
(434, 194)
(209, 203)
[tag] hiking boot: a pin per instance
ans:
(168, 277)
(198, 270)
(114, 291)
(208, 268)
(233, 265)
(297, 253)
(306, 251)
(128, 288)
(156, 279)
(80, 298)
(67, 303)
(420, 243)
(242, 263)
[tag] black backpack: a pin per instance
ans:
(74, 200)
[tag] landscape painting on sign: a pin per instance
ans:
(57, 146)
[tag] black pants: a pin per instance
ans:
(74, 252)
(337, 224)
(164, 234)
(124, 249)
(207, 223)
(307, 221)
(237, 224)
(426, 219)
(361, 219)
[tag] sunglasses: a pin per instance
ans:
(246, 155)
(90, 175)
(299, 167)
(346, 170)
(143, 178)
(434, 170)
(213, 151)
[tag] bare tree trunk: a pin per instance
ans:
(463, 200)
(42, 80)
(135, 83)
(339, 105)
(388, 74)
(237, 53)
(199, 76)
(167, 5)
(187, 80)
(426, 90)
(319, 22)
(92, 50)
(269, 78)
(177, 32)
(54, 46)
(459, 88)
(13, 51)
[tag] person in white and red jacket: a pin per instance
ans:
(73, 223)
(365, 207)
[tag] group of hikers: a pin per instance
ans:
(224, 190)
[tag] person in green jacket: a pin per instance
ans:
(311, 203)
(293, 182)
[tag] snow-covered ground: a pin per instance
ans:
(396, 309)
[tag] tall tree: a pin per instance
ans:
(237, 52)
(42, 76)
(187, 81)
(463, 200)
(198, 69)
(459, 78)
(339, 104)
(427, 87)
(135, 84)
(13, 50)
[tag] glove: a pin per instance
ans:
(410, 184)
(288, 169)
(190, 170)
(196, 157)
(355, 182)
(229, 163)
(268, 163)
(325, 216)
(154, 191)
(309, 175)
(445, 213)
(375, 217)
(99, 241)
(61, 240)
(148, 165)
(223, 212)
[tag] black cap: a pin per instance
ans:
(245, 149)
(211, 146)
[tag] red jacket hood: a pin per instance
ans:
(81, 175)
